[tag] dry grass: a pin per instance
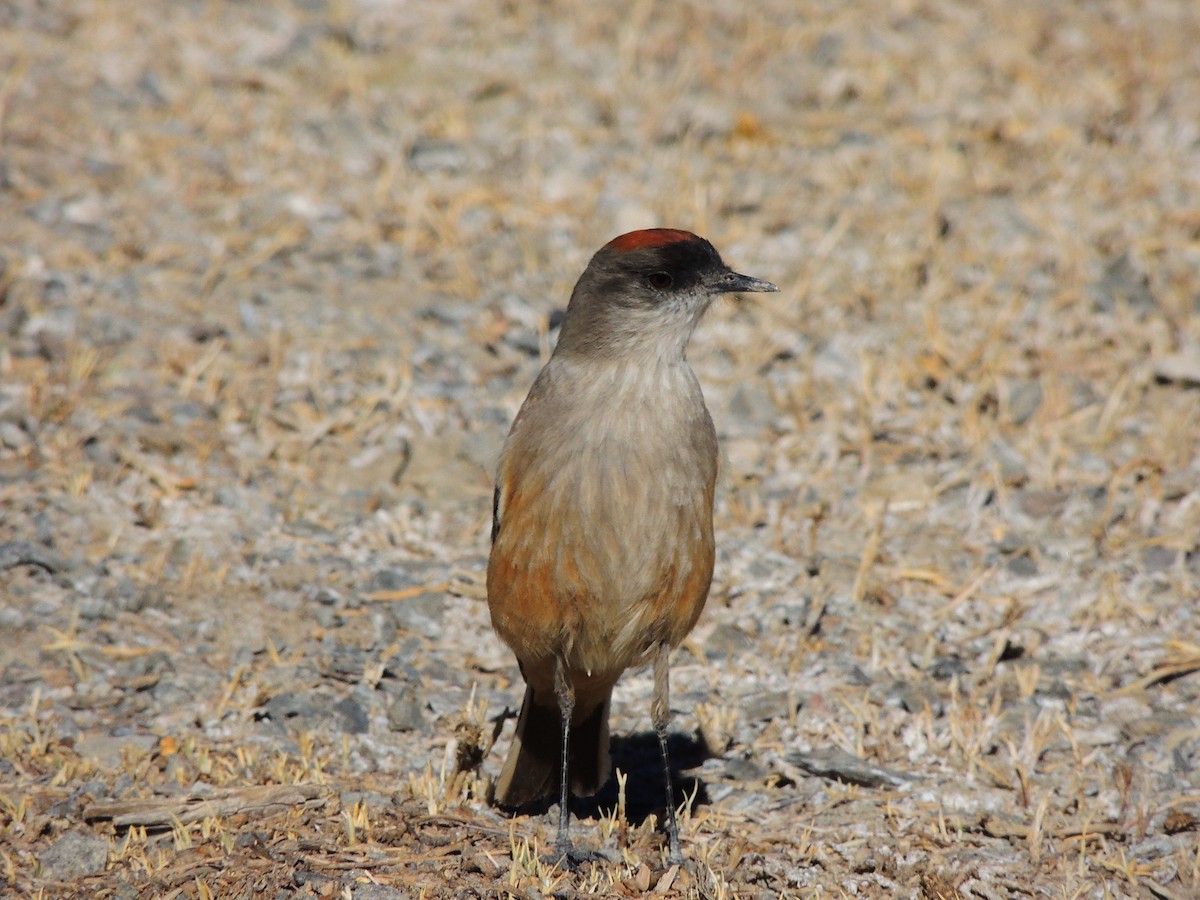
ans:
(273, 278)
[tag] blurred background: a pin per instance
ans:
(275, 276)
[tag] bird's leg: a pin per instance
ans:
(565, 693)
(660, 715)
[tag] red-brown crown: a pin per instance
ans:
(650, 237)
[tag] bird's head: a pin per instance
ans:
(645, 291)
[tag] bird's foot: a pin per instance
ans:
(569, 857)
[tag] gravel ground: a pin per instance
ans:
(274, 278)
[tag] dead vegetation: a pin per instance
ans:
(273, 278)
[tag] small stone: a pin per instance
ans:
(109, 751)
(346, 662)
(354, 719)
(1023, 566)
(12, 618)
(1043, 504)
(1009, 542)
(946, 667)
(14, 403)
(477, 861)
(792, 615)
(74, 855)
(726, 642)
(27, 553)
(377, 892)
(1012, 466)
(288, 601)
(836, 763)
(14, 437)
(428, 155)
(405, 708)
(909, 697)
(1122, 282)
(1179, 368)
(422, 614)
(1024, 399)
(327, 596)
(294, 705)
(744, 770)
(88, 211)
(837, 362)
(751, 409)
(763, 707)
(369, 799)
(96, 609)
(1159, 558)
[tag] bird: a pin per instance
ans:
(602, 518)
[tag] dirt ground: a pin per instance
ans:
(274, 278)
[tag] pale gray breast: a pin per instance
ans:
(626, 456)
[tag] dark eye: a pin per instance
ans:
(660, 281)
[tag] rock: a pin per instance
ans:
(910, 697)
(404, 701)
(345, 662)
(286, 601)
(750, 409)
(1024, 399)
(1012, 466)
(837, 361)
(354, 719)
(109, 750)
(744, 770)
(74, 855)
(377, 892)
(833, 762)
(14, 437)
(1122, 282)
(725, 642)
(428, 155)
(1158, 558)
(946, 667)
(373, 800)
(26, 553)
(1023, 566)
(295, 705)
(1179, 368)
(763, 707)
(1043, 504)
(14, 403)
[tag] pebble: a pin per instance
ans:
(1179, 368)
(14, 437)
(422, 614)
(377, 892)
(726, 641)
(74, 855)
(405, 709)
(768, 705)
(1123, 282)
(109, 750)
(429, 155)
(256, 374)
(1023, 566)
(353, 718)
(1024, 400)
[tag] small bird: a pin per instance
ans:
(602, 527)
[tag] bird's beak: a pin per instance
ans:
(733, 283)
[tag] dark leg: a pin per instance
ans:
(566, 705)
(660, 714)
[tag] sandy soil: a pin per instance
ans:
(274, 278)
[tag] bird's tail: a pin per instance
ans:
(530, 773)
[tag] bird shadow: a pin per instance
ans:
(638, 757)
